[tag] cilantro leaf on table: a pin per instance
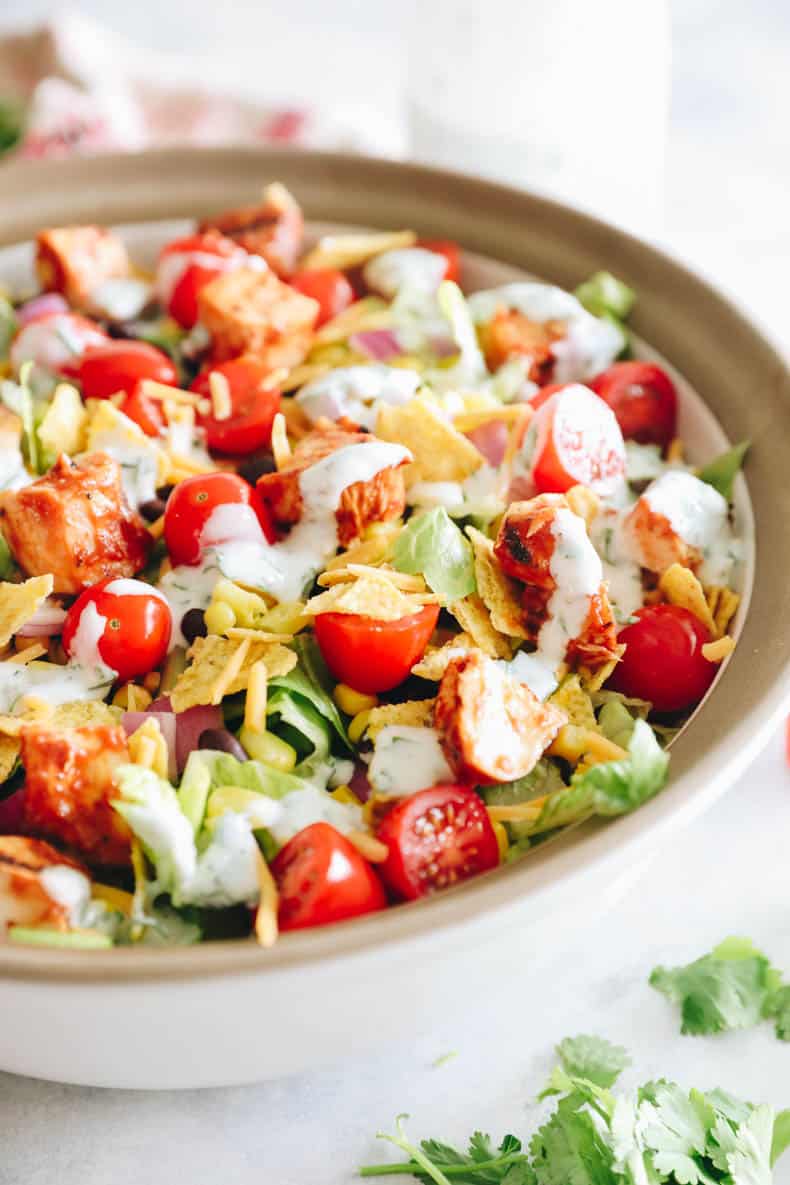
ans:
(436, 1161)
(730, 988)
(593, 1058)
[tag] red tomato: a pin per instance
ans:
(136, 632)
(322, 878)
(329, 287)
(187, 265)
(643, 398)
(371, 655)
(663, 660)
(253, 406)
(436, 838)
(146, 412)
(578, 441)
(451, 252)
(115, 366)
(189, 507)
(54, 340)
(264, 515)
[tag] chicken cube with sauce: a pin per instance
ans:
(70, 788)
(30, 873)
(249, 311)
(77, 260)
(372, 500)
(681, 520)
(75, 523)
(273, 228)
(510, 334)
(492, 728)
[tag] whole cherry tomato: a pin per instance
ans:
(371, 655)
(146, 412)
(643, 398)
(190, 506)
(329, 287)
(436, 838)
(253, 406)
(451, 252)
(123, 623)
(663, 660)
(577, 442)
(187, 265)
(321, 878)
(119, 365)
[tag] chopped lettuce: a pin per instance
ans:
(18, 398)
(544, 779)
(616, 723)
(431, 545)
(294, 718)
(470, 368)
(8, 327)
(603, 293)
(310, 680)
(12, 123)
(722, 471)
(8, 568)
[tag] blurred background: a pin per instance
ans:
(670, 117)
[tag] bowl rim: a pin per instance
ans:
(507, 891)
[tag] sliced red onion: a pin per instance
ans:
(377, 344)
(131, 721)
(359, 784)
(189, 725)
(45, 622)
(41, 306)
(442, 345)
(490, 439)
(12, 811)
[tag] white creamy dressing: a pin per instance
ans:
(84, 648)
(479, 494)
(50, 343)
(13, 474)
(699, 515)
(407, 759)
(357, 392)
(68, 887)
(621, 572)
(121, 298)
(137, 456)
(55, 684)
(226, 872)
(643, 462)
(577, 572)
(185, 440)
(590, 344)
(124, 586)
(300, 808)
(189, 586)
(415, 268)
(533, 670)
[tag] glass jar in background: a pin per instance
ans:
(567, 97)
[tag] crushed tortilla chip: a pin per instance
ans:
(366, 597)
(434, 662)
(415, 713)
(584, 502)
(474, 618)
(404, 581)
(496, 589)
(574, 702)
(723, 604)
(719, 650)
(209, 658)
(440, 452)
(374, 550)
(62, 429)
(681, 587)
(18, 603)
(84, 713)
(593, 680)
(9, 752)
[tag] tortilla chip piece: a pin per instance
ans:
(681, 587)
(474, 618)
(415, 713)
(594, 680)
(440, 451)
(496, 589)
(574, 702)
(210, 656)
(18, 603)
(719, 650)
(9, 752)
(723, 604)
(434, 662)
(85, 713)
(374, 550)
(62, 429)
(366, 597)
(584, 502)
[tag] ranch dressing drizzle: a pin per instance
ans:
(576, 569)
(55, 684)
(407, 758)
(621, 572)
(699, 515)
(68, 887)
(357, 392)
(415, 268)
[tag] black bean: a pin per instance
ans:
(164, 492)
(193, 625)
(153, 509)
(254, 466)
(220, 738)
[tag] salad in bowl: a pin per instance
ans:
(325, 584)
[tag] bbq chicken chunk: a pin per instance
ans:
(273, 229)
(75, 523)
(678, 520)
(253, 312)
(510, 334)
(25, 898)
(76, 260)
(491, 727)
(544, 545)
(375, 500)
(70, 788)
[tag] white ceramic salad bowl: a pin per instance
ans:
(230, 1012)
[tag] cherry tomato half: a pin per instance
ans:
(53, 341)
(663, 660)
(190, 506)
(371, 655)
(135, 624)
(252, 411)
(120, 365)
(329, 287)
(322, 878)
(643, 398)
(451, 252)
(436, 838)
(185, 267)
(146, 412)
(578, 441)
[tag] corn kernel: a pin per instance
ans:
(351, 702)
(116, 898)
(219, 617)
(268, 748)
(503, 843)
(247, 607)
(357, 726)
(345, 794)
(287, 618)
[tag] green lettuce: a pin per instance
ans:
(470, 368)
(722, 471)
(8, 327)
(18, 398)
(431, 545)
(311, 681)
(604, 294)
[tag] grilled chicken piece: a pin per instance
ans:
(75, 260)
(362, 503)
(491, 727)
(525, 547)
(25, 899)
(70, 788)
(75, 523)
(253, 312)
(273, 228)
(510, 333)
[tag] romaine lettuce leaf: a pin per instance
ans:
(431, 545)
(722, 471)
(310, 679)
